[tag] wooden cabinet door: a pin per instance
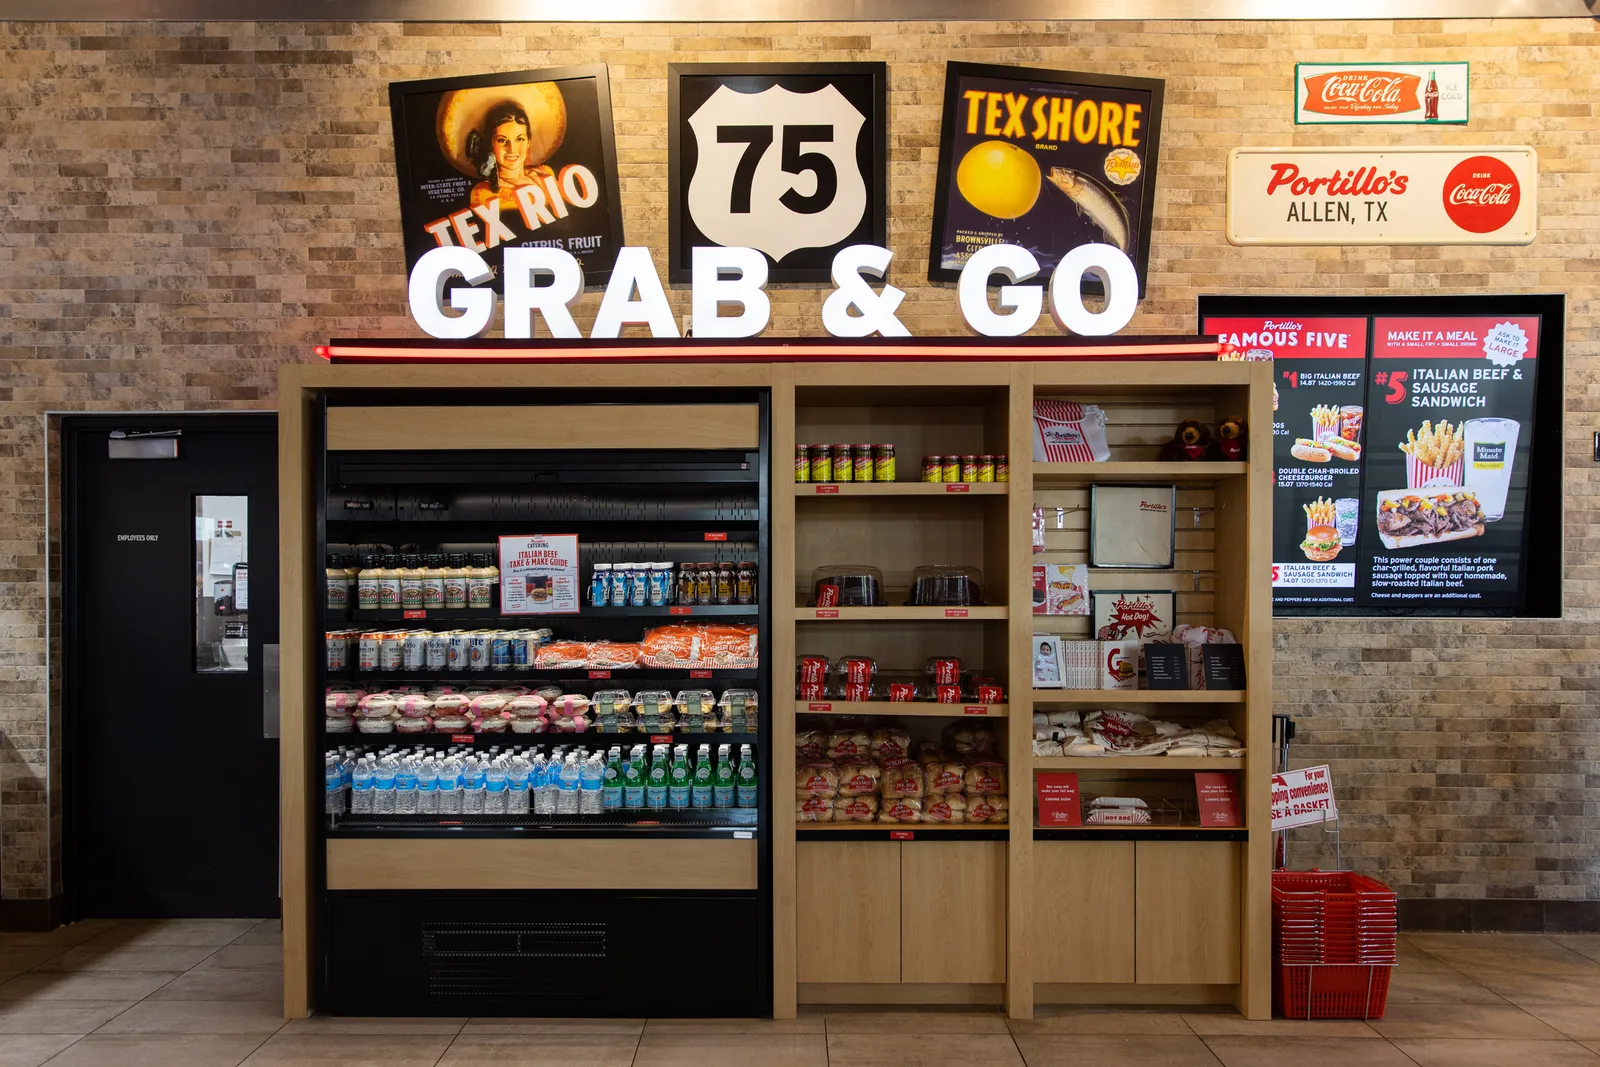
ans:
(953, 911)
(1188, 912)
(847, 911)
(1082, 911)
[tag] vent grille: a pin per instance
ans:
(513, 959)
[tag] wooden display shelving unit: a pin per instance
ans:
(1168, 914)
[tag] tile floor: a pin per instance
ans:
(205, 994)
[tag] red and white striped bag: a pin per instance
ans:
(1065, 432)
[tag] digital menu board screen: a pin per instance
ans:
(1411, 440)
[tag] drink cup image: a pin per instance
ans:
(1489, 453)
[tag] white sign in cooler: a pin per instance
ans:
(1303, 798)
(539, 575)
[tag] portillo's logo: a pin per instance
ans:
(1363, 181)
(1362, 92)
(1481, 194)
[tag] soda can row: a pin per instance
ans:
(434, 650)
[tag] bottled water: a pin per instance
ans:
(450, 786)
(517, 772)
(543, 785)
(428, 786)
(568, 786)
(590, 801)
(333, 786)
(362, 781)
(494, 787)
(722, 787)
(383, 787)
(471, 787)
(405, 787)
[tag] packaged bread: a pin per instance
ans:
(700, 646)
(817, 778)
(900, 809)
(901, 778)
(845, 744)
(813, 809)
(562, 656)
(612, 655)
(971, 742)
(985, 778)
(924, 751)
(809, 744)
(889, 742)
(951, 808)
(855, 809)
(858, 777)
(944, 777)
(986, 809)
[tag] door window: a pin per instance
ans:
(222, 584)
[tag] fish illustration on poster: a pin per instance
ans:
(1045, 159)
(525, 158)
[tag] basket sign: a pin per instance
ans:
(1303, 798)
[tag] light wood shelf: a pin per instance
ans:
(889, 708)
(918, 827)
(1139, 763)
(1115, 470)
(824, 490)
(898, 614)
(1137, 696)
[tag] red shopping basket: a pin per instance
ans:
(1334, 937)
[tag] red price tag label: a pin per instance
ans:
(648, 822)
(661, 739)
(902, 835)
(680, 609)
(819, 707)
(695, 674)
(416, 613)
(958, 487)
(720, 535)
(976, 709)
(956, 613)
(462, 739)
(827, 613)
(451, 822)
(826, 490)
(599, 674)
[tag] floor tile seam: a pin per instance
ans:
(74, 1041)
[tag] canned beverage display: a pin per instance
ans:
(438, 653)
(367, 651)
(414, 651)
(864, 469)
(390, 651)
(660, 591)
(478, 651)
(338, 650)
(522, 646)
(619, 584)
(600, 586)
(821, 463)
(802, 463)
(460, 650)
(933, 468)
(883, 463)
(500, 651)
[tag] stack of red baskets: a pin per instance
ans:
(1333, 944)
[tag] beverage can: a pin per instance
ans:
(821, 463)
(950, 469)
(478, 651)
(338, 650)
(883, 463)
(969, 468)
(865, 471)
(391, 648)
(844, 467)
(438, 652)
(521, 651)
(985, 468)
(933, 468)
(1002, 469)
(414, 651)
(500, 651)
(367, 651)
(460, 650)
(802, 463)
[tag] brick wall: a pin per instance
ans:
(185, 206)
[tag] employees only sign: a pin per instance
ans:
(1303, 798)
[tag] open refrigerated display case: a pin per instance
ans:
(473, 640)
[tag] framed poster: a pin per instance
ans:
(1045, 159)
(1127, 614)
(522, 158)
(787, 158)
(1133, 526)
(539, 575)
(1417, 450)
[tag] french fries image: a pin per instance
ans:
(1436, 446)
(1324, 422)
(1320, 512)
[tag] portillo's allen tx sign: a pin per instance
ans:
(1436, 195)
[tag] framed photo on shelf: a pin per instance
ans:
(1046, 661)
(787, 158)
(525, 157)
(1128, 614)
(1046, 159)
(1133, 526)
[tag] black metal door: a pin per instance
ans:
(170, 596)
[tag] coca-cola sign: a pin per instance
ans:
(1433, 195)
(1381, 93)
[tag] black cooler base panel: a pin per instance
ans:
(627, 955)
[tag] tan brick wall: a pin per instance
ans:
(185, 206)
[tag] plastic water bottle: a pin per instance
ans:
(362, 782)
(590, 800)
(383, 787)
(494, 787)
(405, 787)
(449, 785)
(333, 786)
(428, 786)
(540, 793)
(569, 785)
(517, 772)
(471, 787)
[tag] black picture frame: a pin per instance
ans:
(692, 83)
(1026, 77)
(1098, 598)
(1540, 594)
(418, 161)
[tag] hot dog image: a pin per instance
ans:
(1310, 451)
(1411, 517)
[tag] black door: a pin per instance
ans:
(170, 596)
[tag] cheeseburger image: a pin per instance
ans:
(1321, 544)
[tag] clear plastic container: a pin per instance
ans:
(946, 585)
(847, 585)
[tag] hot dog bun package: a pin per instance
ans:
(817, 779)
(1066, 432)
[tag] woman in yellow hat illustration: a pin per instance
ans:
(502, 134)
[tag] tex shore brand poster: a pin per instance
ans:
(1046, 159)
(1444, 506)
(1319, 406)
(525, 158)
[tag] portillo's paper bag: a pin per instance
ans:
(1064, 432)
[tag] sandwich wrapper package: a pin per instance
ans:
(1068, 432)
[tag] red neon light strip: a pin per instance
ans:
(769, 353)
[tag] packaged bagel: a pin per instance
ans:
(814, 809)
(889, 742)
(985, 778)
(817, 778)
(809, 744)
(844, 744)
(855, 809)
(858, 778)
(902, 778)
(900, 809)
(986, 809)
(951, 808)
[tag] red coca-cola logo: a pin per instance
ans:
(1362, 92)
(1481, 194)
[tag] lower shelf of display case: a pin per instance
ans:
(510, 740)
(891, 708)
(1137, 696)
(853, 831)
(1141, 833)
(696, 822)
(1113, 764)
(633, 676)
